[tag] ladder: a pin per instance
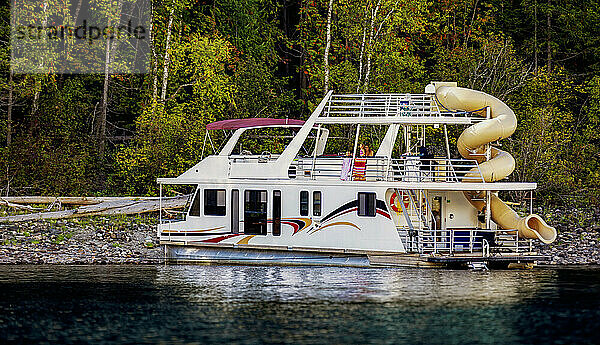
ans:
(420, 236)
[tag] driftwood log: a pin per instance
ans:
(107, 207)
(67, 200)
(15, 205)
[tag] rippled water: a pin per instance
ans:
(251, 305)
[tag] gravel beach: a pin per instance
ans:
(96, 240)
(578, 241)
(132, 240)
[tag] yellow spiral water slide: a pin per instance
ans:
(472, 145)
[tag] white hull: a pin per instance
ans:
(220, 255)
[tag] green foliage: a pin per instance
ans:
(541, 144)
(265, 58)
(169, 136)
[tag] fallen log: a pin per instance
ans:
(105, 208)
(5, 202)
(69, 200)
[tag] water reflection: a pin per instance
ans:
(410, 286)
(248, 305)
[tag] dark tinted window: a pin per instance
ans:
(366, 204)
(195, 209)
(316, 203)
(304, 203)
(214, 202)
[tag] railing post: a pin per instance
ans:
(485, 248)
(312, 172)
(160, 211)
(488, 209)
(471, 240)
(530, 245)
(530, 202)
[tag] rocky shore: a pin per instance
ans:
(132, 240)
(95, 240)
(578, 241)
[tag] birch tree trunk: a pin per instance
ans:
(360, 59)
(154, 56)
(35, 104)
(370, 46)
(10, 107)
(327, 46)
(100, 125)
(471, 24)
(38, 82)
(167, 59)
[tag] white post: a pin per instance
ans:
(488, 194)
(447, 143)
(354, 150)
(158, 228)
(488, 210)
(312, 173)
(530, 202)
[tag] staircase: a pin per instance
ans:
(419, 235)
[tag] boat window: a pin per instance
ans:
(195, 209)
(214, 202)
(366, 204)
(276, 213)
(316, 203)
(255, 212)
(304, 203)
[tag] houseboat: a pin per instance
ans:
(407, 202)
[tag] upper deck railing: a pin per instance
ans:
(390, 108)
(404, 169)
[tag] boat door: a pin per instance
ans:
(438, 222)
(235, 211)
(255, 212)
(437, 203)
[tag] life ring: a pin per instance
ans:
(395, 205)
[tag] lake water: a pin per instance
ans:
(252, 305)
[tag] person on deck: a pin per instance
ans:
(368, 151)
(360, 164)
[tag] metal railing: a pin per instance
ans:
(404, 169)
(450, 241)
(396, 104)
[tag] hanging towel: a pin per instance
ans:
(346, 168)
(360, 167)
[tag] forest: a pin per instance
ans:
(115, 133)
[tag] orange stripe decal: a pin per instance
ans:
(245, 239)
(336, 223)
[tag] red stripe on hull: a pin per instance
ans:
(220, 238)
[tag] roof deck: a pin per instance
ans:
(400, 108)
(400, 112)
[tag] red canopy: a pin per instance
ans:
(252, 122)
